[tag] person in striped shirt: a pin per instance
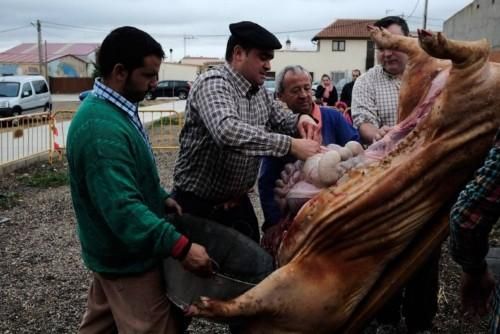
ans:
(471, 220)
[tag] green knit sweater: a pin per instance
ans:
(116, 192)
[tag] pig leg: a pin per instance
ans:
(384, 39)
(461, 53)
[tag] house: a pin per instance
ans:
(200, 61)
(204, 63)
(178, 71)
(479, 19)
(72, 60)
(341, 47)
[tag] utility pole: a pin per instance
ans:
(40, 57)
(46, 63)
(186, 37)
(425, 15)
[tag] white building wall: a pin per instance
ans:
(325, 60)
(176, 71)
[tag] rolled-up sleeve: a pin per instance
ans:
(217, 107)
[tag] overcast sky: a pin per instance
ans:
(198, 27)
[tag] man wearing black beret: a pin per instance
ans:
(231, 122)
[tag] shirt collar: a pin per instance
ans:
(389, 75)
(130, 109)
(242, 84)
(316, 113)
(107, 93)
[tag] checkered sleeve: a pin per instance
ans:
(363, 107)
(283, 120)
(217, 109)
(475, 212)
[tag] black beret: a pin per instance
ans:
(254, 36)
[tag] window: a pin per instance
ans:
(33, 70)
(9, 89)
(271, 75)
(370, 55)
(338, 45)
(163, 84)
(40, 87)
(27, 91)
(337, 75)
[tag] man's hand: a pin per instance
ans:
(370, 133)
(304, 148)
(171, 206)
(271, 239)
(476, 292)
(308, 128)
(382, 132)
(197, 261)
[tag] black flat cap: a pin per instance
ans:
(253, 35)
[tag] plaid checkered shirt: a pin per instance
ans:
(229, 126)
(375, 98)
(472, 217)
(130, 109)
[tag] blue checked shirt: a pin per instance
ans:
(130, 109)
(229, 126)
(472, 217)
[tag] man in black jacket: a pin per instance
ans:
(346, 94)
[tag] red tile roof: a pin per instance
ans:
(345, 28)
(28, 52)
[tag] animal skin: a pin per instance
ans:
(354, 244)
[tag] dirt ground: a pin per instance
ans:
(43, 283)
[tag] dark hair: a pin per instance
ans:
(390, 20)
(231, 43)
(325, 75)
(127, 46)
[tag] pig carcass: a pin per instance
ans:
(357, 241)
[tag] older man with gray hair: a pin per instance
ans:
(293, 87)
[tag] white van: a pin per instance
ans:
(23, 92)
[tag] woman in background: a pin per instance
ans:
(326, 93)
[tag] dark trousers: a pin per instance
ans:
(240, 217)
(418, 298)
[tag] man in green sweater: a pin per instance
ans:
(119, 203)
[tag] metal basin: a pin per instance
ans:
(240, 263)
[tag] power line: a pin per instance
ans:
(17, 28)
(414, 8)
(64, 26)
(182, 35)
(429, 18)
(73, 27)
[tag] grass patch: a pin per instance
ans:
(166, 121)
(8, 200)
(49, 178)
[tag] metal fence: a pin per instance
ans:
(27, 135)
(24, 136)
(163, 128)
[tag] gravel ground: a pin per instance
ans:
(43, 283)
